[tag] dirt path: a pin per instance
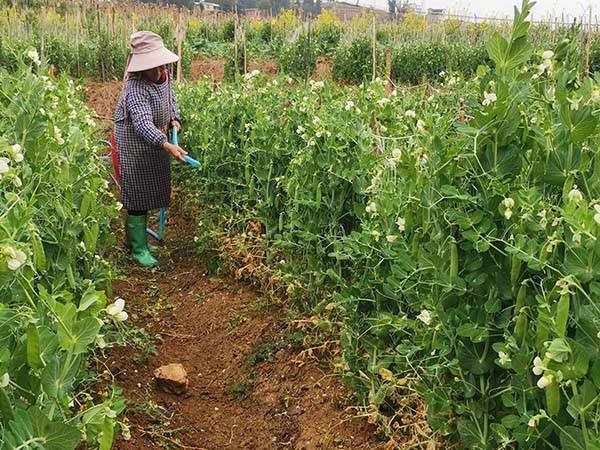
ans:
(251, 384)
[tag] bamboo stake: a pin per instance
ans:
(589, 45)
(388, 69)
(374, 53)
(180, 34)
(245, 51)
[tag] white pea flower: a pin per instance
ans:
(597, 215)
(425, 317)
(300, 129)
(382, 102)
(430, 98)
(116, 307)
(596, 95)
(544, 382)
(376, 234)
(14, 258)
(16, 152)
(4, 380)
(119, 206)
(548, 54)
(574, 103)
(577, 237)
(401, 222)
(508, 203)
(575, 195)
(349, 105)
(538, 367)
(33, 55)
(391, 238)
(489, 98)
(396, 153)
(17, 181)
(121, 316)
(420, 125)
(422, 160)
(532, 423)
(371, 208)
(316, 121)
(410, 113)
(4, 166)
(508, 214)
(504, 358)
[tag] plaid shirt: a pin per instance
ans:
(141, 120)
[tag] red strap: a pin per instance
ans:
(115, 159)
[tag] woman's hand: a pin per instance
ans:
(175, 150)
(176, 124)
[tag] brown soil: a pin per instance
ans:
(213, 68)
(324, 69)
(103, 98)
(251, 384)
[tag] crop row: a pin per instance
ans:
(55, 209)
(448, 237)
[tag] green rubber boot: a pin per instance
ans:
(135, 232)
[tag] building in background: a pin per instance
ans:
(346, 11)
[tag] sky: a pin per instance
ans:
(503, 8)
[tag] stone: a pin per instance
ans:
(172, 378)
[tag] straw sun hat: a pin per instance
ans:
(148, 52)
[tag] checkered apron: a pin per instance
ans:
(141, 120)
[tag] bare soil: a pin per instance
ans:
(251, 384)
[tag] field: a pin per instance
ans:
(391, 242)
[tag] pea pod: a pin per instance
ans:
(541, 335)
(39, 255)
(552, 398)
(520, 329)
(453, 259)
(71, 277)
(318, 199)
(90, 236)
(515, 270)
(33, 347)
(562, 314)
(84, 207)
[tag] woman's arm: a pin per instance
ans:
(140, 113)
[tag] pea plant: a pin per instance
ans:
(55, 208)
(475, 267)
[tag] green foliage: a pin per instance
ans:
(459, 255)
(353, 63)
(299, 58)
(55, 213)
(327, 38)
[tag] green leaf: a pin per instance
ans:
(470, 435)
(571, 438)
(496, 48)
(583, 129)
(33, 426)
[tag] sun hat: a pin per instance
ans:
(148, 52)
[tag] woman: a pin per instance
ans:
(147, 108)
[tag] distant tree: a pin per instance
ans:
(392, 9)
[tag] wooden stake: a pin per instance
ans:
(245, 51)
(388, 69)
(588, 49)
(180, 37)
(374, 60)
